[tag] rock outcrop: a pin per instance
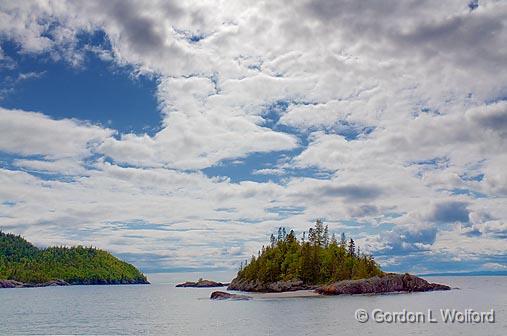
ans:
(376, 285)
(273, 287)
(218, 295)
(202, 283)
(10, 284)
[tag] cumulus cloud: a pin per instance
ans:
(386, 114)
(32, 133)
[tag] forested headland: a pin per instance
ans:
(22, 261)
(316, 258)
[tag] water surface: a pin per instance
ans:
(162, 309)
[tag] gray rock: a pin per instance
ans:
(10, 284)
(376, 285)
(218, 295)
(273, 287)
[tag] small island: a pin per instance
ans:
(321, 263)
(202, 283)
(24, 265)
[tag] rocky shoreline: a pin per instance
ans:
(58, 282)
(389, 283)
(18, 284)
(273, 287)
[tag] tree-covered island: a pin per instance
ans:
(24, 265)
(319, 261)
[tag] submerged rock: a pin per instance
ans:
(202, 283)
(376, 285)
(218, 295)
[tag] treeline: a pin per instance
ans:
(316, 259)
(22, 261)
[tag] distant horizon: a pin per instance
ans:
(478, 273)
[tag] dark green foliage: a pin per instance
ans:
(21, 261)
(319, 260)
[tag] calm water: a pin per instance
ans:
(161, 309)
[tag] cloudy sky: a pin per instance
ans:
(180, 134)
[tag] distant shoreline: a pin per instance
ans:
(480, 273)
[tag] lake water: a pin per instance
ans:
(162, 309)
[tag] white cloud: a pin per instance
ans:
(31, 133)
(397, 102)
(269, 171)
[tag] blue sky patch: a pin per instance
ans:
(98, 90)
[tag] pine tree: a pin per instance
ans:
(319, 232)
(352, 247)
(325, 237)
(291, 237)
(312, 236)
(333, 239)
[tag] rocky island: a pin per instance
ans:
(202, 283)
(24, 265)
(321, 263)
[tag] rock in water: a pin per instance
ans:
(202, 283)
(218, 295)
(386, 284)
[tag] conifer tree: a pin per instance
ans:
(333, 239)
(319, 232)
(352, 247)
(325, 237)
(343, 240)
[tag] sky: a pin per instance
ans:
(179, 134)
